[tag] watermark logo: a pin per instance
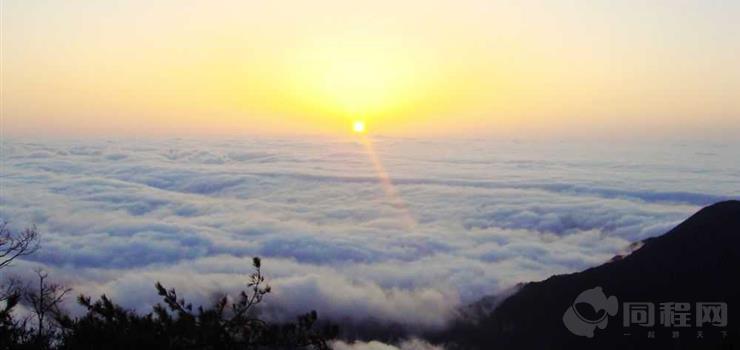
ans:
(591, 309)
(675, 315)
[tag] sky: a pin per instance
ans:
(432, 68)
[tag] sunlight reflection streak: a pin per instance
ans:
(385, 181)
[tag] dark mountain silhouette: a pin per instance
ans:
(697, 261)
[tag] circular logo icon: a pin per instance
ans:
(589, 310)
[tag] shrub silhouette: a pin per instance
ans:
(173, 324)
(12, 246)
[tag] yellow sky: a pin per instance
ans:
(403, 67)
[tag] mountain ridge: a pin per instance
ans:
(696, 261)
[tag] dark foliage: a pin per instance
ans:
(12, 246)
(174, 324)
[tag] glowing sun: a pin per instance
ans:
(358, 127)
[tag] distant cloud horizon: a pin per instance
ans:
(117, 216)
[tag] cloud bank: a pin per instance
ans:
(411, 344)
(118, 215)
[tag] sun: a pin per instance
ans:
(358, 127)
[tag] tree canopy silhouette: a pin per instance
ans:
(229, 323)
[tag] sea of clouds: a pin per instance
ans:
(118, 215)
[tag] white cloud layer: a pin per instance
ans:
(411, 344)
(118, 215)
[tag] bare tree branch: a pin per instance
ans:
(44, 301)
(14, 245)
